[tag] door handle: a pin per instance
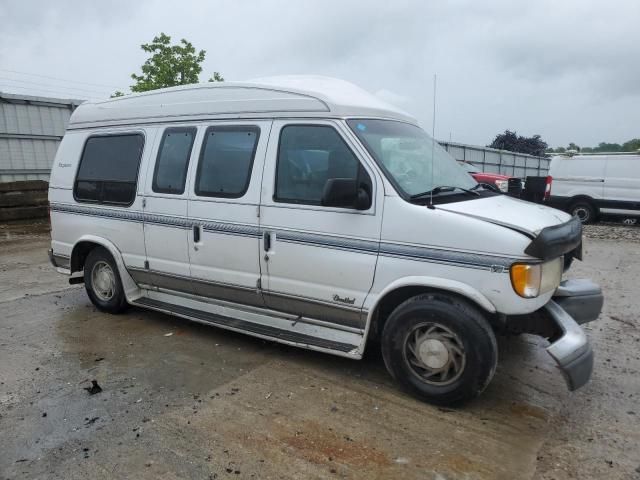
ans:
(266, 238)
(196, 234)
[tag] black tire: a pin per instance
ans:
(110, 300)
(584, 211)
(462, 326)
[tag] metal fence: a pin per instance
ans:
(31, 129)
(498, 161)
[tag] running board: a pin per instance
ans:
(279, 330)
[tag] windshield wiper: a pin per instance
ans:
(443, 188)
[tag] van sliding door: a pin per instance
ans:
(165, 212)
(223, 212)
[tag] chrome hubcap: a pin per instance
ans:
(581, 213)
(103, 281)
(435, 354)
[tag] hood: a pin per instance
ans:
(526, 217)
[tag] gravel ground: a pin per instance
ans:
(612, 231)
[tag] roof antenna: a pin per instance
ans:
(433, 140)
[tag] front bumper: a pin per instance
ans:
(575, 302)
(582, 299)
(571, 350)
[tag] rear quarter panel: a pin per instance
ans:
(71, 220)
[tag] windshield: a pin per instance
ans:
(411, 159)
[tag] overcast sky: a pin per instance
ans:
(568, 70)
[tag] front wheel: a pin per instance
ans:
(584, 211)
(102, 281)
(440, 348)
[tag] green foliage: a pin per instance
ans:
(217, 77)
(117, 93)
(169, 65)
(632, 145)
(513, 142)
(608, 147)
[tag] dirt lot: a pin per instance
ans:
(203, 403)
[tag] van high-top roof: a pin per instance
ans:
(271, 97)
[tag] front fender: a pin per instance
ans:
(444, 284)
(131, 290)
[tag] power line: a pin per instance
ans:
(58, 78)
(31, 90)
(59, 87)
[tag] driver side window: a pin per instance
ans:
(308, 156)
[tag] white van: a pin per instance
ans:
(305, 211)
(592, 184)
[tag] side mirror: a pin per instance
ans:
(344, 192)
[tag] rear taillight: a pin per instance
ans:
(547, 187)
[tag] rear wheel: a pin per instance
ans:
(584, 211)
(102, 281)
(439, 348)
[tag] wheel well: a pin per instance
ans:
(396, 297)
(582, 199)
(80, 253)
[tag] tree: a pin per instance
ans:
(512, 142)
(217, 77)
(608, 147)
(169, 65)
(631, 146)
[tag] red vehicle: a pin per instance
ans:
(504, 183)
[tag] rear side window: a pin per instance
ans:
(226, 160)
(108, 170)
(170, 172)
(308, 156)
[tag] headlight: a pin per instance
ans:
(503, 185)
(531, 280)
